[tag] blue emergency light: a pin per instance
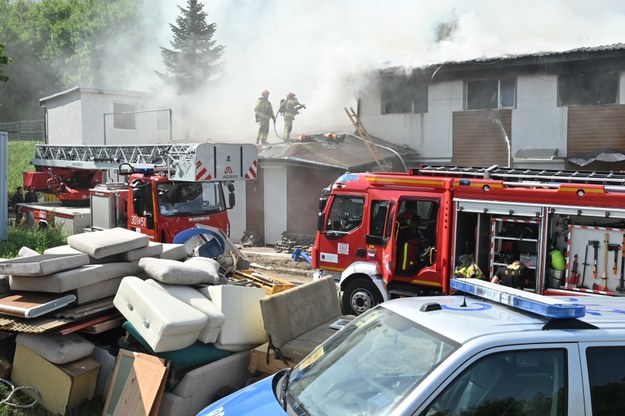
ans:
(520, 299)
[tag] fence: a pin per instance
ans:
(24, 130)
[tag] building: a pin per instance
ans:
(93, 116)
(555, 108)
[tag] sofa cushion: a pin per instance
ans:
(56, 348)
(193, 297)
(153, 249)
(104, 243)
(40, 264)
(176, 272)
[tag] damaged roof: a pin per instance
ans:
(603, 52)
(335, 150)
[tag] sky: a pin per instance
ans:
(322, 50)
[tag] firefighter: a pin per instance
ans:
(18, 198)
(263, 112)
(512, 275)
(468, 268)
(289, 108)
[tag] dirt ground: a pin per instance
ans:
(281, 265)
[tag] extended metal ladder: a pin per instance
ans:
(517, 174)
(364, 135)
(110, 157)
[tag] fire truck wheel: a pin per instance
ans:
(359, 296)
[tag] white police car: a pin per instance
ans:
(467, 354)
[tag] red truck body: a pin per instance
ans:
(384, 235)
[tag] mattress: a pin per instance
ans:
(164, 322)
(193, 297)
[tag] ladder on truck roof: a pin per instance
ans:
(190, 161)
(519, 175)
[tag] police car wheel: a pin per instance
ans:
(359, 296)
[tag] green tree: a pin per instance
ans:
(194, 57)
(3, 61)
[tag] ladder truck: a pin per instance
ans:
(384, 235)
(167, 188)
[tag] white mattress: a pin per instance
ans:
(164, 322)
(72, 279)
(244, 327)
(193, 297)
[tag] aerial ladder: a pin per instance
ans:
(70, 171)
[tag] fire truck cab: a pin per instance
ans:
(386, 235)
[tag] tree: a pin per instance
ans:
(3, 61)
(194, 57)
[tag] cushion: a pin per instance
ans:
(104, 243)
(173, 251)
(194, 298)
(175, 272)
(243, 328)
(164, 322)
(65, 249)
(26, 252)
(56, 348)
(41, 264)
(72, 279)
(153, 249)
(212, 266)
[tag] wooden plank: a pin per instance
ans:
(137, 386)
(104, 326)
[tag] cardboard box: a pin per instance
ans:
(259, 364)
(62, 386)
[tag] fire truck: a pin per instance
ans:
(166, 188)
(386, 235)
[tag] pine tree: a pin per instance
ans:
(194, 57)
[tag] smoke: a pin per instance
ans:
(323, 50)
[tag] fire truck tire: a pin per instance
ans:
(359, 296)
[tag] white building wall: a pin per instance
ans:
(64, 121)
(275, 201)
(237, 214)
(537, 121)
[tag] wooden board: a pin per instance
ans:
(137, 385)
(260, 363)
(270, 284)
(33, 304)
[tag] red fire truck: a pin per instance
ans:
(165, 189)
(385, 235)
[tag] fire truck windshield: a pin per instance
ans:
(190, 198)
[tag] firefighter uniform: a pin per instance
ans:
(289, 109)
(263, 112)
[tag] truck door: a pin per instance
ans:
(343, 233)
(411, 252)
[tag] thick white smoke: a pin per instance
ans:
(321, 49)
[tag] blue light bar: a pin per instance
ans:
(529, 302)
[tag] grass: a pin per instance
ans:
(20, 155)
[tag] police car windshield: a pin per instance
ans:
(368, 368)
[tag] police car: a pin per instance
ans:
(487, 350)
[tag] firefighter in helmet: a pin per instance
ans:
(289, 108)
(263, 112)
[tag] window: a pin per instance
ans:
(606, 372)
(345, 213)
(124, 116)
(400, 95)
(379, 209)
(489, 94)
(587, 88)
(528, 382)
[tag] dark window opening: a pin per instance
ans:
(490, 94)
(404, 96)
(587, 88)
(606, 373)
